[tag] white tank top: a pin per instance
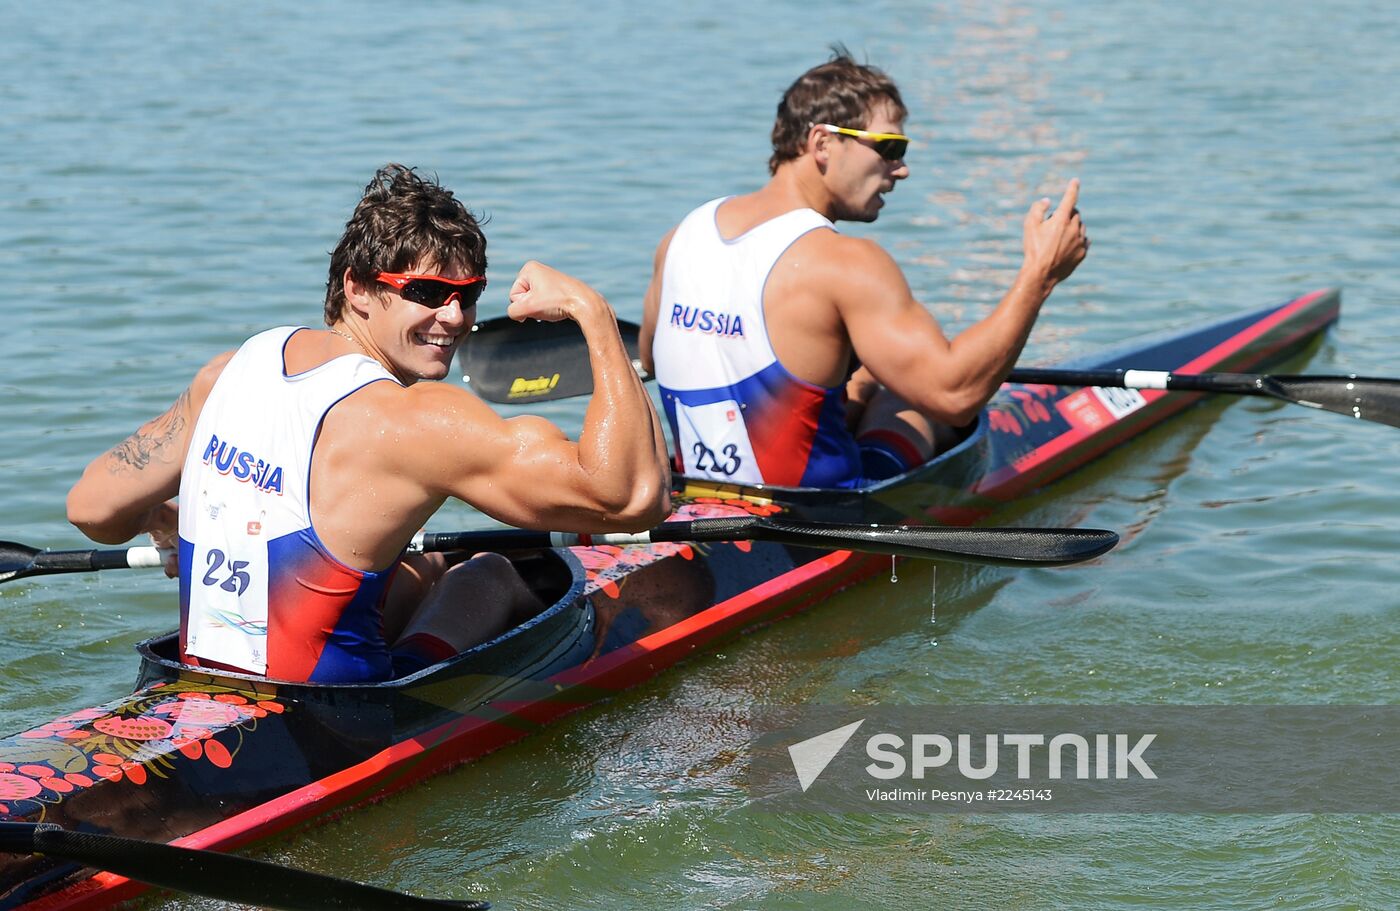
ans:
(246, 535)
(736, 413)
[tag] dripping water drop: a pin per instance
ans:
(933, 602)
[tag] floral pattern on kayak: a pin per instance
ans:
(133, 740)
(1020, 407)
(606, 565)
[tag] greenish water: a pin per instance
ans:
(177, 172)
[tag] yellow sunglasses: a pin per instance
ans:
(889, 146)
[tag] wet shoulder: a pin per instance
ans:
(419, 407)
(825, 252)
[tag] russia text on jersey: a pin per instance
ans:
(243, 465)
(711, 322)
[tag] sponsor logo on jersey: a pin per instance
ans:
(710, 322)
(242, 465)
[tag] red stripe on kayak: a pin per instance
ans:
(1015, 478)
(708, 623)
(101, 890)
(1233, 344)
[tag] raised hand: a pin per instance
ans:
(1054, 246)
(542, 293)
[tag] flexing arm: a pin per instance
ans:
(126, 490)
(525, 471)
(901, 343)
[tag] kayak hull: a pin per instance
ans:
(214, 760)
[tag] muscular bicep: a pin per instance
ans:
(892, 334)
(522, 471)
(531, 477)
(898, 340)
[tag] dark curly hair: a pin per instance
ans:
(403, 220)
(840, 92)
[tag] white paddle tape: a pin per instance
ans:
(1146, 379)
(146, 557)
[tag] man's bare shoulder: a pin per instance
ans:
(205, 379)
(850, 267)
(420, 408)
(210, 372)
(835, 250)
(445, 422)
(658, 259)
(431, 434)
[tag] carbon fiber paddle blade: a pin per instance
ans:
(988, 546)
(1364, 398)
(221, 876)
(15, 559)
(518, 363)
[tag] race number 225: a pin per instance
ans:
(229, 575)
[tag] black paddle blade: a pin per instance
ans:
(987, 546)
(16, 560)
(219, 876)
(1364, 398)
(518, 363)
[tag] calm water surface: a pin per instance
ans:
(176, 174)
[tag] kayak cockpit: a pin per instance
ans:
(533, 649)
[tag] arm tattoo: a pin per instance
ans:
(155, 439)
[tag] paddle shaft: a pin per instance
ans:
(519, 363)
(18, 561)
(78, 561)
(1232, 383)
(1374, 399)
(991, 546)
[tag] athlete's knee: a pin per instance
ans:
(496, 574)
(487, 574)
(472, 602)
(490, 562)
(488, 569)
